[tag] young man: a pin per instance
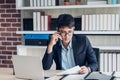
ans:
(69, 50)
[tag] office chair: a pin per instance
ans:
(97, 56)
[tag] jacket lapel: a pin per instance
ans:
(75, 49)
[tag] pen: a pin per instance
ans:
(63, 77)
(113, 73)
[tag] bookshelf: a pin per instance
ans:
(68, 7)
(76, 32)
(107, 38)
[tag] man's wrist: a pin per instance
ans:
(89, 70)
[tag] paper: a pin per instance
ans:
(54, 78)
(75, 77)
(73, 70)
(117, 74)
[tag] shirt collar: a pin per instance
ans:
(69, 46)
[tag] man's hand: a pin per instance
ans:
(53, 41)
(54, 38)
(84, 70)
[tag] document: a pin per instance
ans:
(75, 77)
(73, 70)
(116, 74)
(54, 78)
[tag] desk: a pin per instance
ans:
(102, 76)
(7, 74)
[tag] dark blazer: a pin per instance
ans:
(84, 54)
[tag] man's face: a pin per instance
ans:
(66, 34)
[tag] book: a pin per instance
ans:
(27, 3)
(31, 3)
(49, 3)
(42, 3)
(38, 21)
(53, 2)
(109, 2)
(57, 2)
(27, 24)
(53, 24)
(35, 21)
(83, 23)
(78, 23)
(49, 22)
(96, 2)
(118, 63)
(117, 21)
(101, 62)
(114, 62)
(110, 62)
(42, 23)
(114, 1)
(34, 3)
(45, 2)
(38, 3)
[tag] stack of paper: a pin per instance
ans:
(73, 70)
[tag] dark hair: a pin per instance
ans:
(65, 20)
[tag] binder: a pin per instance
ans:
(36, 36)
(36, 42)
(36, 39)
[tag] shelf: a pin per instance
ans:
(26, 46)
(68, 7)
(100, 47)
(108, 47)
(76, 32)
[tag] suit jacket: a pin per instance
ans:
(83, 53)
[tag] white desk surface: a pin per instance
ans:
(7, 74)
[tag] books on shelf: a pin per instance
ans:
(41, 3)
(44, 3)
(103, 22)
(108, 59)
(41, 21)
(113, 2)
(96, 2)
(91, 22)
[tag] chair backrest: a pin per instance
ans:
(97, 56)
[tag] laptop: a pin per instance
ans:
(28, 67)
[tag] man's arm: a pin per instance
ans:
(48, 57)
(47, 60)
(91, 57)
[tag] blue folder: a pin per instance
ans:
(36, 36)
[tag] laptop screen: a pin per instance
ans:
(28, 67)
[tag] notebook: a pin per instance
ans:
(28, 67)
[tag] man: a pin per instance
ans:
(68, 49)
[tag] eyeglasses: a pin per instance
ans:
(63, 33)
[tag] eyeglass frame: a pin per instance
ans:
(63, 33)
